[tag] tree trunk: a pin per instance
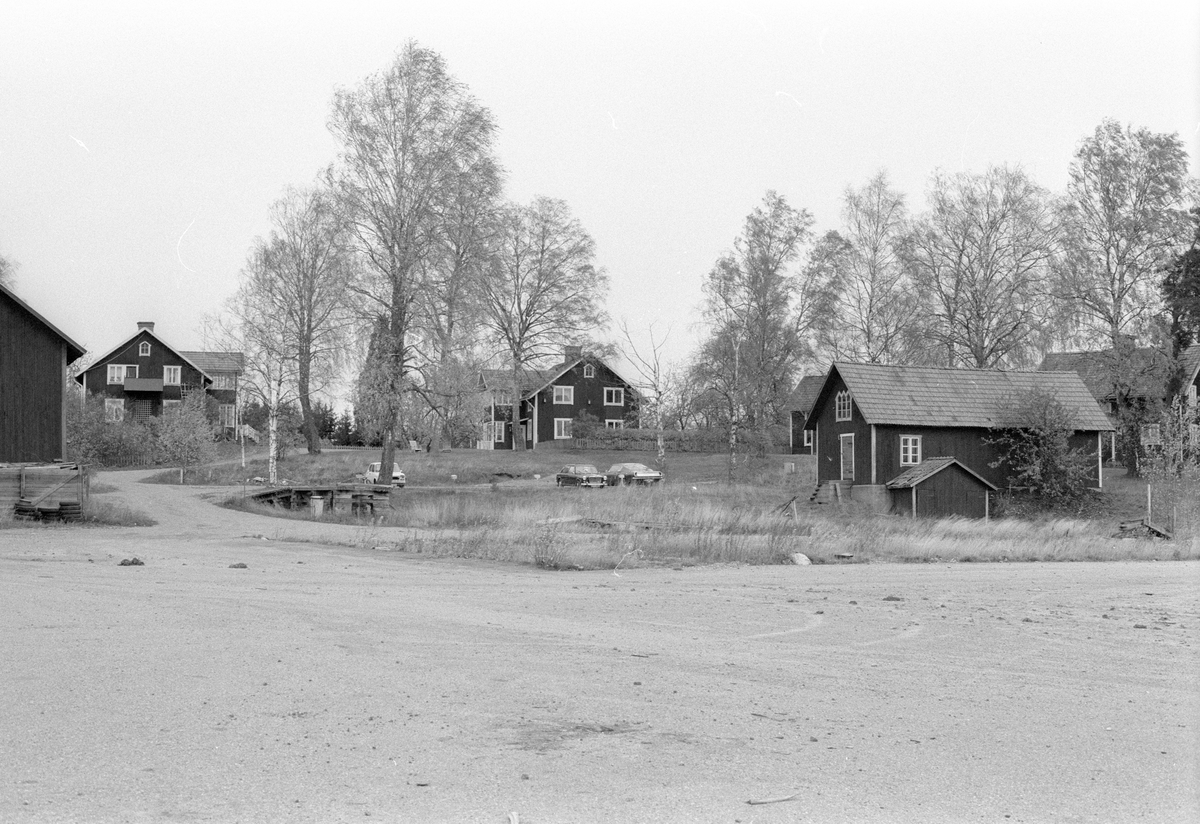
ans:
(732, 450)
(311, 435)
(388, 456)
(517, 436)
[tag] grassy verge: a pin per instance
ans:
(95, 513)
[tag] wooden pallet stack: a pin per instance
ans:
(46, 491)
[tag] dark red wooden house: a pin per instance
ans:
(143, 375)
(551, 399)
(799, 406)
(34, 354)
(871, 423)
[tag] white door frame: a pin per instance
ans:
(842, 455)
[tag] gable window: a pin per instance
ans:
(564, 394)
(143, 350)
(114, 410)
(614, 396)
(502, 397)
(171, 375)
(589, 371)
(842, 406)
(562, 428)
(614, 423)
(910, 450)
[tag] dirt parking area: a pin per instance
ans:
(323, 683)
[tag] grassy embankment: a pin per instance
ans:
(695, 517)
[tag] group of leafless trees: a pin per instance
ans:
(994, 273)
(405, 265)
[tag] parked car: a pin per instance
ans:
(372, 475)
(631, 473)
(583, 475)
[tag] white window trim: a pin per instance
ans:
(838, 415)
(564, 396)
(227, 411)
(589, 371)
(168, 372)
(808, 433)
(120, 371)
(562, 429)
(617, 393)
(914, 450)
(498, 432)
(144, 349)
(114, 410)
(614, 423)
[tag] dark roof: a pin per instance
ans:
(101, 361)
(805, 393)
(535, 380)
(976, 398)
(211, 362)
(74, 350)
(1146, 369)
(1189, 361)
(927, 469)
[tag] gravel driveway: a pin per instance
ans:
(326, 683)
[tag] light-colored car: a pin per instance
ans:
(372, 474)
(631, 473)
(582, 475)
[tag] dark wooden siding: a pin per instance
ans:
(798, 447)
(969, 446)
(589, 397)
(952, 491)
(829, 461)
(150, 366)
(32, 386)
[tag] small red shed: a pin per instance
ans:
(940, 488)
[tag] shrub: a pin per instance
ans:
(1036, 449)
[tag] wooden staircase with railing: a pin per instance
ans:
(829, 492)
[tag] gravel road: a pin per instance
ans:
(327, 683)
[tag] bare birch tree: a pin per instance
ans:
(303, 273)
(980, 257)
(656, 382)
(1125, 216)
(543, 290)
(873, 299)
(406, 134)
(761, 308)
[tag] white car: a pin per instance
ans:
(372, 476)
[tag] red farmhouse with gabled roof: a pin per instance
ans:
(144, 375)
(872, 423)
(34, 354)
(550, 399)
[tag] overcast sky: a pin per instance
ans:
(142, 144)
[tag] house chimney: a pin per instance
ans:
(572, 353)
(148, 325)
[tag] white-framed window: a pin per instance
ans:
(562, 428)
(808, 433)
(227, 415)
(171, 404)
(224, 380)
(172, 375)
(614, 396)
(498, 432)
(564, 395)
(910, 450)
(1191, 401)
(1152, 435)
(114, 410)
(589, 371)
(118, 372)
(143, 350)
(842, 406)
(614, 423)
